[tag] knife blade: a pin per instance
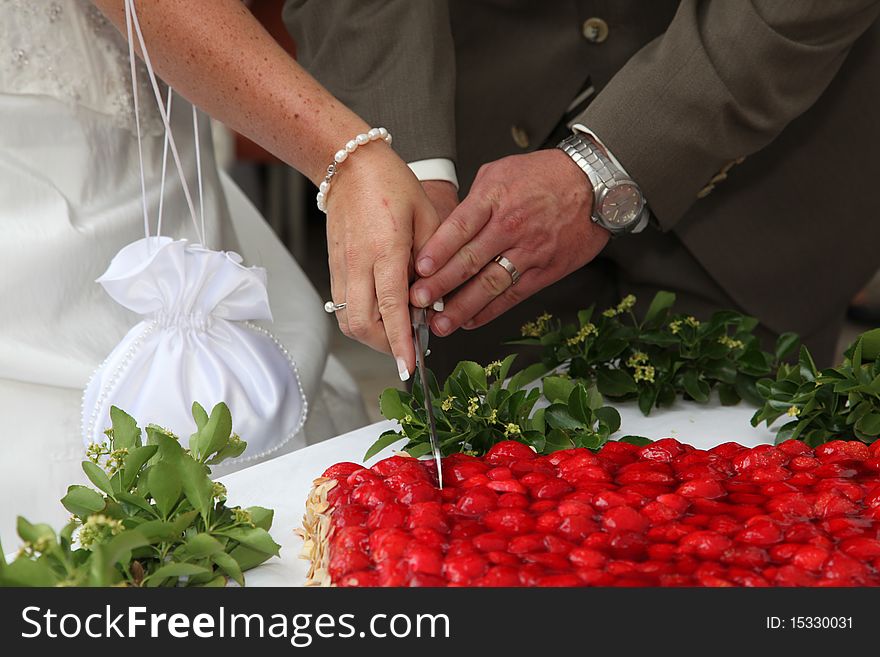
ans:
(420, 340)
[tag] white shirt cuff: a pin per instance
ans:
(435, 169)
(579, 127)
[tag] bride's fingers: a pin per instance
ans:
(364, 323)
(392, 295)
(491, 282)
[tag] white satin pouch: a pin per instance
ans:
(196, 342)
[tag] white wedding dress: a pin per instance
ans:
(70, 199)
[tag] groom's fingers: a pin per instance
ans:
(466, 262)
(531, 282)
(457, 230)
(489, 284)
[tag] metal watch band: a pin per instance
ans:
(601, 172)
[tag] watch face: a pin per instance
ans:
(621, 205)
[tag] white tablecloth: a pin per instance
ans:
(284, 483)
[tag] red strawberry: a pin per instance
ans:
(861, 548)
(424, 559)
(576, 528)
(587, 558)
(763, 533)
(503, 558)
(595, 577)
(353, 515)
(351, 538)
(395, 464)
(509, 521)
(559, 580)
(371, 494)
(804, 462)
(506, 486)
(341, 471)
(499, 473)
(526, 543)
(388, 544)
(428, 536)
(499, 576)
(624, 518)
(343, 562)
(627, 545)
(747, 556)
(551, 490)
(477, 501)
(509, 450)
(490, 542)
(705, 488)
(387, 516)
(570, 507)
(558, 545)
(705, 544)
(810, 558)
(793, 447)
(360, 578)
(793, 576)
(464, 470)
(548, 522)
(427, 514)
(547, 559)
(829, 504)
(513, 501)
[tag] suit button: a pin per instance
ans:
(520, 136)
(595, 30)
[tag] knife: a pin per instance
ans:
(420, 339)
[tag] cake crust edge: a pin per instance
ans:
(315, 532)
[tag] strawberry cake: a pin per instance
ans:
(665, 514)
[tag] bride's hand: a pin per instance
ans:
(376, 212)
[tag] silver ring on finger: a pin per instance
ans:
(331, 307)
(508, 265)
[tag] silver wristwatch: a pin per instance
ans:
(618, 203)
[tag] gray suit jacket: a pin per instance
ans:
(752, 127)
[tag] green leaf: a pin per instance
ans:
(255, 538)
(24, 572)
(248, 558)
(527, 376)
(200, 415)
(505, 367)
(391, 406)
(696, 388)
(165, 486)
(387, 439)
(126, 434)
(214, 435)
(475, 372)
(610, 417)
(557, 388)
(33, 533)
(786, 343)
(661, 303)
(728, 395)
(82, 501)
(134, 461)
(174, 570)
(807, 366)
(98, 477)
(261, 517)
(641, 441)
(556, 440)
(869, 424)
(578, 405)
(199, 546)
(615, 383)
(135, 500)
(197, 485)
(870, 344)
(558, 416)
(647, 400)
(229, 566)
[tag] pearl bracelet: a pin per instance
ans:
(373, 134)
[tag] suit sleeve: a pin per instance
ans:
(718, 85)
(391, 61)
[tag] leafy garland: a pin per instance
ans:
(477, 407)
(661, 357)
(156, 518)
(838, 403)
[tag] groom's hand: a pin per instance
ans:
(535, 210)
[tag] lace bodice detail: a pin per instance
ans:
(67, 49)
